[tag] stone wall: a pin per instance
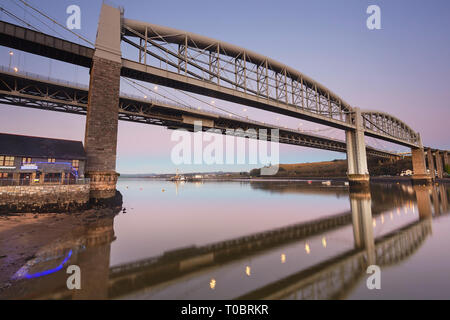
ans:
(43, 198)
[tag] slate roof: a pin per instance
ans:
(37, 147)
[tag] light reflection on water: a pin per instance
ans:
(253, 240)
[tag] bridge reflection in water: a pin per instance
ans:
(187, 269)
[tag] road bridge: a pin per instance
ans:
(32, 91)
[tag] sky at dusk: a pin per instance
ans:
(402, 69)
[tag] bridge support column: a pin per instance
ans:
(439, 165)
(446, 164)
(420, 175)
(103, 106)
(444, 198)
(361, 205)
(423, 202)
(358, 173)
(430, 161)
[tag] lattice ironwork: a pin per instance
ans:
(28, 90)
(252, 75)
(232, 67)
(384, 124)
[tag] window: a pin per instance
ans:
(6, 161)
(26, 160)
(5, 175)
(52, 177)
(51, 160)
(6, 179)
(75, 164)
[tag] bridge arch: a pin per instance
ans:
(248, 73)
(379, 123)
(231, 66)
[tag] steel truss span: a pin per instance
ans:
(378, 123)
(206, 66)
(216, 68)
(36, 92)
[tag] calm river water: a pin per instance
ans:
(254, 240)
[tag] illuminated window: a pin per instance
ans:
(5, 175)
(75, 164)
(51, 160)
(26, 160)
(6, 161)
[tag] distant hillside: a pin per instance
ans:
(324, 168)
(338, 168)
(190, 174)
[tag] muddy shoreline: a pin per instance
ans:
(23, 235)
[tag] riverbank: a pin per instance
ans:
(23, 237)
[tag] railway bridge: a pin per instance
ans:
(192, 63)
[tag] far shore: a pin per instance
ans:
(376, 179)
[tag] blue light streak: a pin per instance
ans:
(50, 271)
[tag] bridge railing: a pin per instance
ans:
(36, 76)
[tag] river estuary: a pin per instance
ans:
(242, 239)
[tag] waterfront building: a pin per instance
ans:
(27, 160)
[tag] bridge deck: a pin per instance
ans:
(32, 91)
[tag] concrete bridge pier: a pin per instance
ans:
(420, 175)
(439, 165)
(430, 161)
(444, 198)
(446, 164)
(357, 172)
(361, 206)
(103, 106)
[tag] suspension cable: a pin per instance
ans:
(12, 15)
(35, 17)
(56, 22)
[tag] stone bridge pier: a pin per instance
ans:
(437, 163)
(420, 175)
(103, 106)
(358, 173)
(430, 162)
(446, 164)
